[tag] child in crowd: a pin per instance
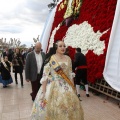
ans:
(5, 68)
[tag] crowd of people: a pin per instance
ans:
(54, 77)
(12, 58)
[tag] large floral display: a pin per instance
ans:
(85, 24)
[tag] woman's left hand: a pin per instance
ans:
(42, 96)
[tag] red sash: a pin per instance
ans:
(81, 67)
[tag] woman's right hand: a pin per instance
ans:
(43, 103)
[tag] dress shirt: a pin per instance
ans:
(39, 61)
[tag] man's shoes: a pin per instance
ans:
(32, 97)
(87, 95)
(79, 97)
(31, 94)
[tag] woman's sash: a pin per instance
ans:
(59, 71)
(6, 67)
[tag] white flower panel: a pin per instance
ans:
(83, 36)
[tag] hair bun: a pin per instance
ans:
(54, 45)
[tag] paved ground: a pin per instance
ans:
(16, 104)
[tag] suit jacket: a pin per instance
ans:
(31, 66)
(80, 60)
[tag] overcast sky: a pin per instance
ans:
(23, 19)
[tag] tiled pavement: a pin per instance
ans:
(16, 104)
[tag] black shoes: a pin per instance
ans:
(87, 95)
(32, 97)
(79, 97)
(4, 86)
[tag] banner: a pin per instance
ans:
(112, 64)
(47, 29)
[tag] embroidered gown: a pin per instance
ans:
(61, 102)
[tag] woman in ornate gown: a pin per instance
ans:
(57, 99)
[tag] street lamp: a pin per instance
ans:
(53, 4)
(36, 40)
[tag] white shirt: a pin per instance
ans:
(39, 61)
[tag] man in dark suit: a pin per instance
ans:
(80, 66)
(34, 68)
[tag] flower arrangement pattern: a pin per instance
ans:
(90, 31)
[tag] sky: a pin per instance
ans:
(23, 19)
